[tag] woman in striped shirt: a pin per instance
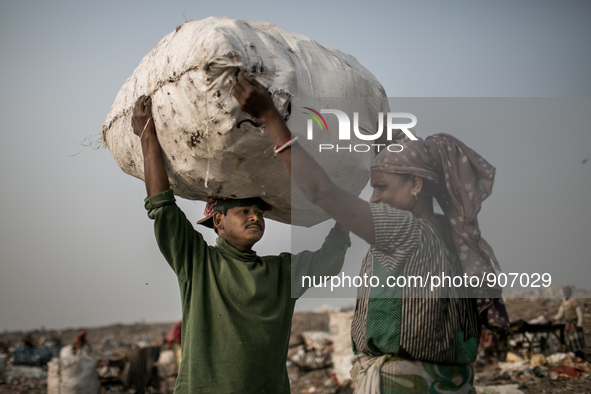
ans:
(408, 338)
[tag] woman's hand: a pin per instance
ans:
(350, 212)
(253, 97)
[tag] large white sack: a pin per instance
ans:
(73, 375)
(167, 362)
(339, 325)
(53, 376)
(188, 76)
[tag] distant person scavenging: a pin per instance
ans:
(80, 344)
(571, 313)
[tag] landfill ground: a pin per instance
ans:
(116, 340)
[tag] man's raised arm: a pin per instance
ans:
(178, 241)
(155, 174)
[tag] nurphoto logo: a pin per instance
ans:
(344, 132)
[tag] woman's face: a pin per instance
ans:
(392, 189)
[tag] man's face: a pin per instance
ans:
(241, 227)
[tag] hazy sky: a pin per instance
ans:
(76, 246)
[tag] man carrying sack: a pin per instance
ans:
(237, 306)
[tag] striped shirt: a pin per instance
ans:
(404, 315)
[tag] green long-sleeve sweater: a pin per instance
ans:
(237, 307)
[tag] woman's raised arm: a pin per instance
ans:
(349, 210)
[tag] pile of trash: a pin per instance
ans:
(319, 358)
(22, 378)
(518, 373)
(557, 366)
(37, 363)
(532, 358)
(313, 351)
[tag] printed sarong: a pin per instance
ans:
(395, 375)
(574, 337)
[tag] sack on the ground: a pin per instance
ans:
(188, 76)
(73, 375)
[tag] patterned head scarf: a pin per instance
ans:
(463, 179)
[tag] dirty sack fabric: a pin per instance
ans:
(208, 149)
(73, 375)
(389, 374)
(237, 307)
(438, 325)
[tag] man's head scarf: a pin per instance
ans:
(462, 179)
